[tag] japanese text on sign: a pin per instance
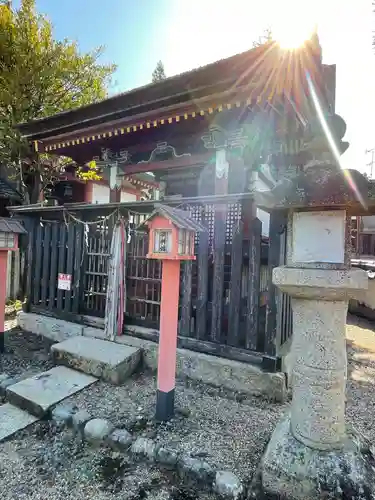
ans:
(64, 282)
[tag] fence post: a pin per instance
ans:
(276, 228)
(28, 244)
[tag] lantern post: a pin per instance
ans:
(9, 231)
(171, 239)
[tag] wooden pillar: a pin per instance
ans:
(277, 226)
(88, 192)
(115, 195)
(166, 380)
(221, 188)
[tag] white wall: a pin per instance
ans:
(100, 193)
(127, 197)
(264, 217)
(368, 224)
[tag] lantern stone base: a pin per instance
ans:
(293, 471)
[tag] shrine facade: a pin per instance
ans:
(206, 139)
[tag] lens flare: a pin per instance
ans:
(331, 141)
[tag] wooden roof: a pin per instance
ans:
(11, 226)
(257, 75)
(180, 218)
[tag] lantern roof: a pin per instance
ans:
(11, 226)
(179, 218)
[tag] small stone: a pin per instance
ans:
(184, 412)
(80, 419)
(166, 456)
(227, 485)
(97, 430)
(62, 414)
(3, 376)
(196, 468)
(200, 454)
(144, 447)
(120, 439)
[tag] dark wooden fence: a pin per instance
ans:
(228, 305)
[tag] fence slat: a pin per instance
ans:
(61, 266)
(186, 299)
(201, 308)
(30, 226)
(69, 266)
(276, 227)
(78, 265)
(38, 264)
(218, 278)
(46, 264)
(235, 285)
(252, 313)
(53, 271)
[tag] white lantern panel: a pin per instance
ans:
(162, 241)
(7, 240)
(181, 241)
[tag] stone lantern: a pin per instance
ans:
(9, 231)
(311, 454)
(171, 240)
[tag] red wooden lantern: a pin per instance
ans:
(9, 231)
(172, 235)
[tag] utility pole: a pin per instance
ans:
(371, 163)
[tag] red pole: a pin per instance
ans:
(3, 292)
(166, 382)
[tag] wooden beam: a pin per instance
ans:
(184, 161)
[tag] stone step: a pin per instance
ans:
(41, 392)
(13, 419)
(104, 359)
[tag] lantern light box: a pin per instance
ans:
(172, 233)
(9, 231)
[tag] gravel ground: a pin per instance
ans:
(26, 354)
(42, 463)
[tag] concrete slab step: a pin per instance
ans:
(41, 392)
(13, 419)
(104, 359)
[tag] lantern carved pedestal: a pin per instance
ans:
(172, 235)
(9, 231)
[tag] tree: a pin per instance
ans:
(40, 76)
(264, 38)
(159, 73)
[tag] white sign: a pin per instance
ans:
(319, 237)
(64, 282)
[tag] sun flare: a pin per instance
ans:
(293, 25)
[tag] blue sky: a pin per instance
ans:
(189, 33)
(130, 30)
